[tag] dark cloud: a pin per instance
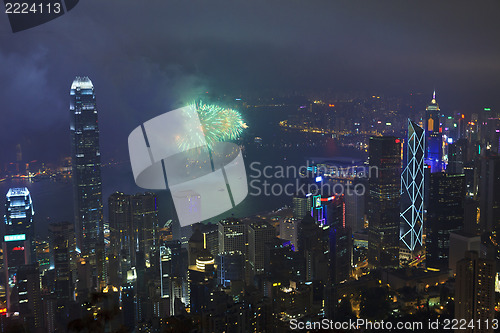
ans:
(146, 57)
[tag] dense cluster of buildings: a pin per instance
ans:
(421, 239)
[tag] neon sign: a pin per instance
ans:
(12, 238)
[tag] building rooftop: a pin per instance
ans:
(18, 191)
(82, 82)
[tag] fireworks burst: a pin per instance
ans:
(218, 124)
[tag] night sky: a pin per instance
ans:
(147, 57)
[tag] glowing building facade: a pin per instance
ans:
(434, 136)
(86, 166)
(412, 189)
(19, 214)
(18, 240)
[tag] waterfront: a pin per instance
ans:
(53, 200)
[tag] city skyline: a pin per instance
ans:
(399, 61)
(250, 167)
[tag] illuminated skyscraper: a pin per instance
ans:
(145, 223)
(384, 201)
(17, 240)
(19, 216)
(86, 166)
(133, 221)
(232, 236)
(434, 137)
(412, 189)
(121, 231)
(173, 268)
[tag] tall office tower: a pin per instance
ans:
(62, 248)
(144, 209)
(412, 190)
(232, 236)
(17, 240)
(173, 267)
(166, 258)
(339, 250)
(30, 301)
(259, 233)
(457, 156)
(301, 205)
(289, 228)
(475, 292)
(313, 251)
(434, 137)
(86, 166)
(19, 214)
(15, 254)
(122, 240)
(384, 201)
(354, 211)
(445, 214)
(489, 194)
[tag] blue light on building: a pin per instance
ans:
(412, 189)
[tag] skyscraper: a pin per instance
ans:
(18, 248)
(384, 201)
(489, 194)
(444, 215)
(259, 233)
(475, 292)
(145, 222)
(30, 300)
(86, 166)
(232, 236)
(355, 210)
(121, 231)
(339, 240)
(133, 221)
(412, 190)
(173, 268)
(62, 241)
(434, 137)
(313, 251)
(19, 214)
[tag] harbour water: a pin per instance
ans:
(53, 200)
